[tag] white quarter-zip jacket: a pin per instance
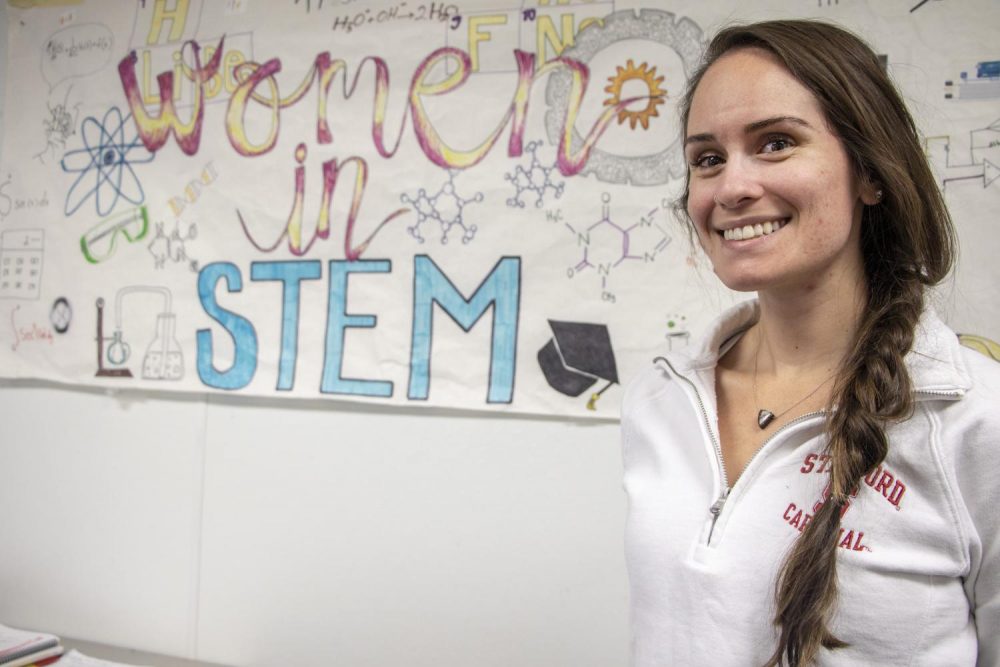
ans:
(919, 551)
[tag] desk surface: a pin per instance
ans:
(130, 656)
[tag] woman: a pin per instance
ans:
(818, 484)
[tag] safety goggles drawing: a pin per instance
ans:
(100, 242)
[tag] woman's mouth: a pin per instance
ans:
(747, 232)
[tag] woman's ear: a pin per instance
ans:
(871, 193)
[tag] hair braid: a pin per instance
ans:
(872, 389)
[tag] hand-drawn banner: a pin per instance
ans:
(458, 204)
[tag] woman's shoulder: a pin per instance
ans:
(941, 366)
(983, 394)
(653, 380)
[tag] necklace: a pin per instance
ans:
(765, 416)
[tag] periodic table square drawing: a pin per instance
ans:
(22, 253)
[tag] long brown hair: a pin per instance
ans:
(907, 242)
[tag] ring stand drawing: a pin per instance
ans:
(101, 339)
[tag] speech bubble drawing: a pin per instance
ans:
(76, 51)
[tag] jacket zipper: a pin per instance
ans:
(716, 508)
(948, 393)
(708, 427)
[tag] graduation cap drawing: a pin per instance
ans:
(576, 357)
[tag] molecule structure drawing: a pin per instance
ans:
(607, 245)
(536, 178)
(171, 247)
(446, 207)
(104, 164)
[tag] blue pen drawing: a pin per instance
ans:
(104, 164)
(446, 206)
(536, 178)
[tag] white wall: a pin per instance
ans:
(253, 533)
(257, 533)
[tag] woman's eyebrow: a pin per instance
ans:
(749, 128)
(767, 122)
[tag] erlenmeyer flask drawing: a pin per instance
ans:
(164, 360)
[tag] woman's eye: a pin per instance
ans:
(775, 144)
(706, 161)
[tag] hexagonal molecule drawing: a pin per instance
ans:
(536, 178)
(607, 245)
(445, 206)
(172, 247)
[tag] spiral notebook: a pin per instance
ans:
(24, 647)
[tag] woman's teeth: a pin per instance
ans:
(752, 231)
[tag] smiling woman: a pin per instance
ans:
(771, 541)
(761, 152)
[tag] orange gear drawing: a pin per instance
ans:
(656, 94)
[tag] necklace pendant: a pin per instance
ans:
(764, 417)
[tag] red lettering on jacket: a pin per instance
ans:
(886, 483)
(847, 539)
(881, 479)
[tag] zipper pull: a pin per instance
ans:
(716, 510)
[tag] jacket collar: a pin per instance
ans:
(935, 361)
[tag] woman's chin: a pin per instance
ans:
(741, 283)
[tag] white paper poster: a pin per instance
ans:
(463, 204)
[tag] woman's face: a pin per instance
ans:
(772, 194)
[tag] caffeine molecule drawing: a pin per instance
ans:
(607, 245)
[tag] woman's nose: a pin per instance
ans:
(738, 184)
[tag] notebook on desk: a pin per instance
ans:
(19, 648)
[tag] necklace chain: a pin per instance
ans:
(765, 416)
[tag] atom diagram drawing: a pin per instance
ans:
(535, 178)
(104, 164)
(647, 77)
(446, 206)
